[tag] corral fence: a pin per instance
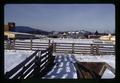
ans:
(35, 66)
(75, 48)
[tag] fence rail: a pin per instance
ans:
(76, 48)
(35, 66)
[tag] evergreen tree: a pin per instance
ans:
(96, 33)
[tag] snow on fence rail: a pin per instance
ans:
(35, 66)
(75, 48)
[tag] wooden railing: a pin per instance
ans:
(75, 48)
(35, 66)
(88, 70)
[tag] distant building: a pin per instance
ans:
(17, 35)
(9, 32)
(113, 38)
(73, 34)
(94, 36)
(6, 28)
(9, 27)
(108, 38)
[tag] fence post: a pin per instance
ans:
(92, 49)
(48, 43)
(49, 52)
(97, 49)
(51, 58)
(8, 44)
(13, 43)
(37, 67)
(54, 47)
(72, 47)
(31, 43)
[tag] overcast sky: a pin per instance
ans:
(62, 17)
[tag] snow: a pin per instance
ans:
(67, 40)
(59, 40)
(14, 57)
(110, 59)
(63, 69)
(64, 76)
(59, 70)
(108, 74)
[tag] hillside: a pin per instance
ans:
(26, 29)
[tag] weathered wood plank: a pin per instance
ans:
(90, 69)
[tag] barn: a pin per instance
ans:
(17, 35)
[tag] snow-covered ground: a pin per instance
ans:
(110, 59)
(108, 74)
(63, 69)
(14, 57)
(68, 40)
(59, 40)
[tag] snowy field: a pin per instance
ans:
(60, 40)
(68, 40)
(14, 57)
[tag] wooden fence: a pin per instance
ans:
(75, 48)
(84, 48)
(35, 66)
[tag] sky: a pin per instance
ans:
(62, 17)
